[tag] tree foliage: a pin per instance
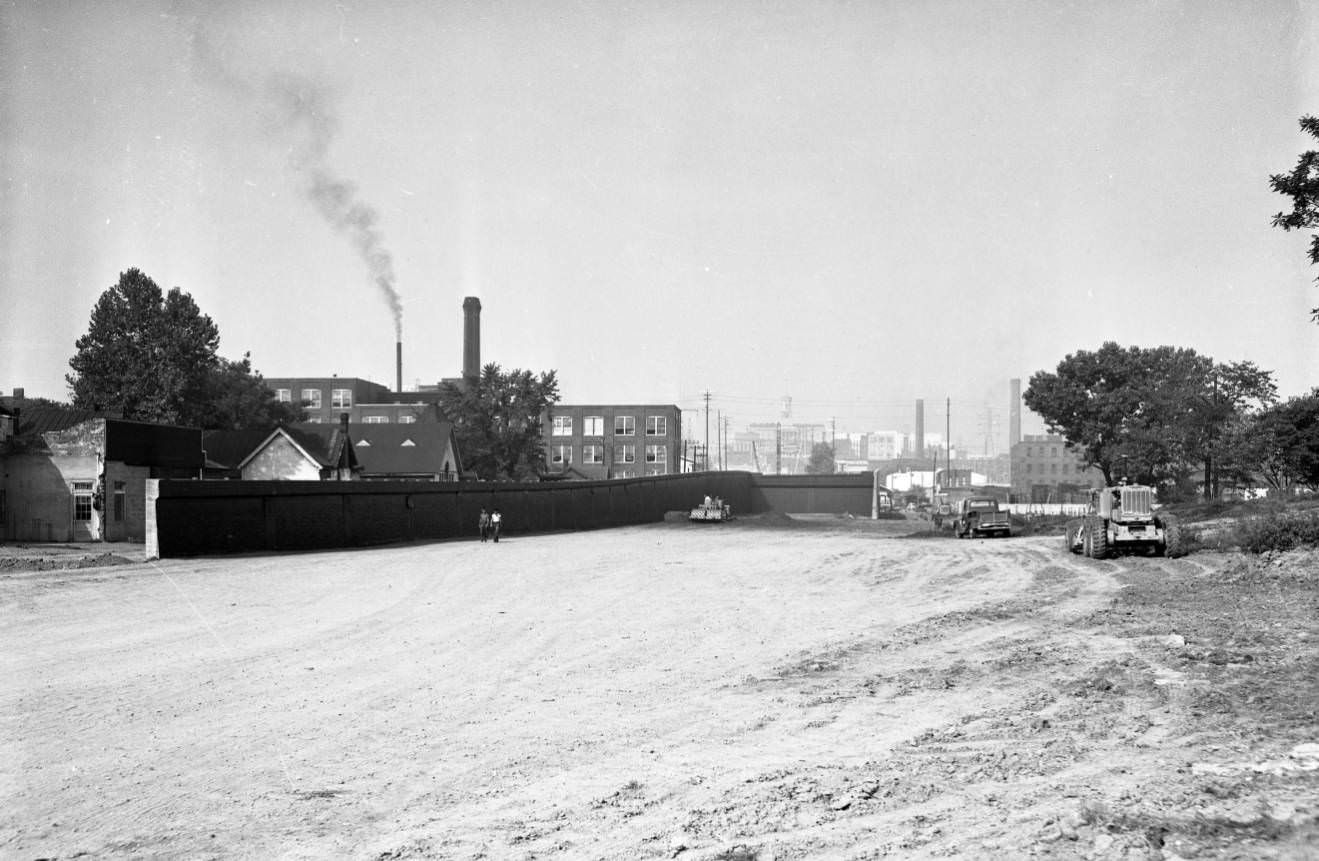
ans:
(821, 461)
(1150, 415)
(153, 356)
(1279, 444)
(1302, 186)
(497, 421)
(236, 397)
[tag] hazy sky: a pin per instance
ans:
(853, 204)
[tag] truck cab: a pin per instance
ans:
(980, 515)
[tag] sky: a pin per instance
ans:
(849, 204)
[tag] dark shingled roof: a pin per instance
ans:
(387, 450)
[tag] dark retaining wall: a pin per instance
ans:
(194, 518)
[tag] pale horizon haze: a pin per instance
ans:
(852, 204)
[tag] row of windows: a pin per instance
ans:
(311, 398)
(623, 426)
(1053, 468)
(1053, 451)
(595, 454)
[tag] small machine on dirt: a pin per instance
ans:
(980, 515)
(1121, 520)
(711, 511)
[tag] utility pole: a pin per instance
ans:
(778, 448)
(723, 454)
(706, 460)
(948, 433)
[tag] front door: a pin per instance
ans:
(84, 528)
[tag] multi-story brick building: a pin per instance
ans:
(1045, 470)
(328, 399)
(613, 441)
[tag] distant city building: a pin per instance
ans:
(613, 441)
(1045, 470)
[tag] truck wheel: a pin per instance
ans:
(1087, 544)
(1098, 540)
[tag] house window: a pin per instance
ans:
(593, 426)
(561, 454)
(657, 426)
(284, 396)
(593, 454)
(1053, 451)
(120, 496)
(341, 398)
(656, 453)
(656, 469)
(376, 420)
(625, 425)
(625, 454)
(562, 427)
(313, 420)
(82, 500)
(408, 419)
(312, 398)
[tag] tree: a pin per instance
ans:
(153, 356)
(822, 460)
(149, 354)
(236, 398)
(1280, 444)
(1302, 186)
(497, 421)
(1147, 414)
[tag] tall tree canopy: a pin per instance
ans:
(1302, 186)
(1147, 414)
(153, 355)
(822, 460)
(497, 421)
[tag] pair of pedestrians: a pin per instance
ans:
(490, 523)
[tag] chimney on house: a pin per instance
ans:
(471, 338)
(920, 428)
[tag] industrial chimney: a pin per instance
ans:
(471, 338)
(920, 428)
(1014, 414)
(398, 365)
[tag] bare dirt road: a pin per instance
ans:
(756, 690)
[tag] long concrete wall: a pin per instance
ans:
(193, 518)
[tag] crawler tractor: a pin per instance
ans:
(1121, 520)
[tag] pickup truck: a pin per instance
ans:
(980, 515)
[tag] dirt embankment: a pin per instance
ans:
(674, 691)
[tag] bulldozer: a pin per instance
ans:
(1121, 520)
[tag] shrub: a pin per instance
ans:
(1283, 532)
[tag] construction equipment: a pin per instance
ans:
(711, 511)
(1121, 520)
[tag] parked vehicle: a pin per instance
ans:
(980, 515)
(711, 511)
(1121, 520)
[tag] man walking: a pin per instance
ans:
(496, 522)
(484, 524)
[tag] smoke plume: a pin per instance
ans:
(300, 113)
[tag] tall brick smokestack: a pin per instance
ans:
(471, 337)
(920, 428)
(398, 366)
(1014, 415)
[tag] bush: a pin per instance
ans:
(1283, 532)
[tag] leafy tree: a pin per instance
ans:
(153, 355)
(1279, 444)
(497, 421)
(1146, 414)
(147, 353)
(237, 397)
(821, 461)
(1302, 186)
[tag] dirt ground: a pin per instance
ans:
(764, 689)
